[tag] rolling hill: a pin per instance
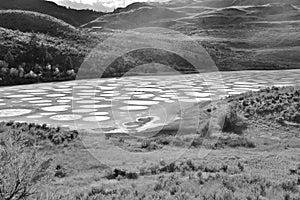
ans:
(221, 3)
(134, 17)
(27, 21)
(237, 34)
(71, 16)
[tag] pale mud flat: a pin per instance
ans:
(112, 104)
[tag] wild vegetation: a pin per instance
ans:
(33, 64)
(24, 168)
(281, 105)
(39, 57)
(34, 134)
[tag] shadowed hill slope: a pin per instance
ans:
(27, 21)
(71, 16)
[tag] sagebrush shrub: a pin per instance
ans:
(22, 170)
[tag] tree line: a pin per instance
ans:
(34, 64)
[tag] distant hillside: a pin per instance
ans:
(132, 6)
(137, 17)
(263, 2)
(222, 3)
(27, 21)
(243, 14)
(71, 16)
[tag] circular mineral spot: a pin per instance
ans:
(39, 93)
(89, 91)
(145, 96)
(144, 89)
(63, 101)
(135, 93)
(121, 98)
(47, 114)
(14, 112)
(41, 101)
(31, 98)
(82, 87)
(170, 101)
(71, 98)
(235, 93)
(204, 99)
(96, 106)
(19, 96)
(63, 86)
(43, 104)
(168, 95)
(141, 102)
(160, 99)
(86, 94)
(109, 95)
(56, 108)
(67, 117)
(188, 100)
(16, 101)
(96, 119)
(198, 94)
(99, 113)
(87, 101)
(35, 91)
(34, 117)
(84, 110)
(106, 88)
(133, 108)
(55, 95)
(244, 83)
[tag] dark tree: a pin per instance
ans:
(47, 57)
(68, 64)
(9, 58)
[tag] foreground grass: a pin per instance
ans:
(256, 161)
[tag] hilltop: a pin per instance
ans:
(222, 3)
(136, 17)
(71, 16)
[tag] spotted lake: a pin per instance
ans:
(128, 103)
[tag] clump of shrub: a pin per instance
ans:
(232, 122)
(34, 133)
(119, 173)
(234, 141)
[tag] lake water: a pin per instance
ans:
(128, 103)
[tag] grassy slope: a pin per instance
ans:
(260, 37)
